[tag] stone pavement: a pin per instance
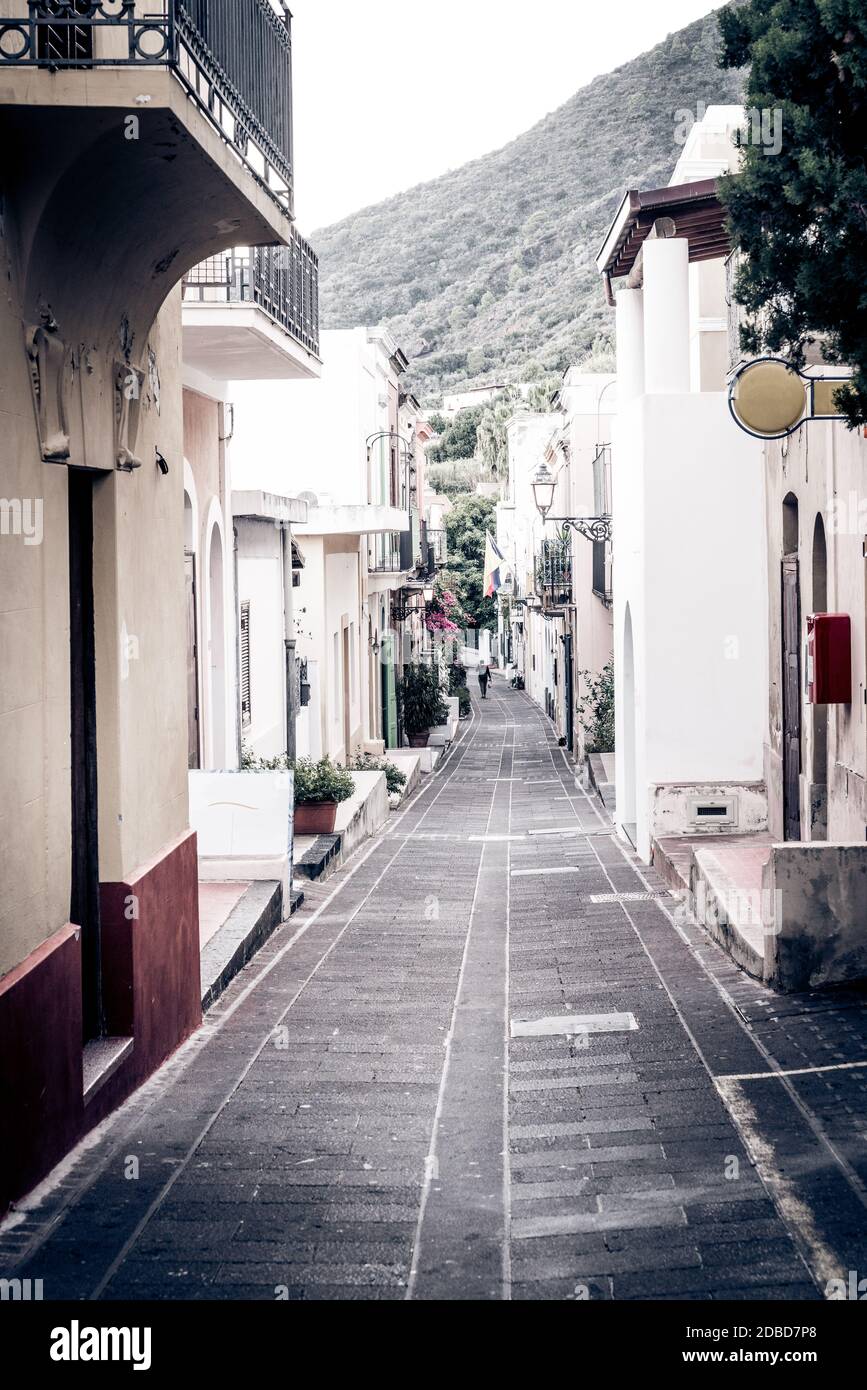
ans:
(373, 1110)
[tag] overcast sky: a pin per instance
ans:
(389, 93)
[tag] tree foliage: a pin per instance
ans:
(466, 526)
(800, 215)
(493, 426)
(458, 439)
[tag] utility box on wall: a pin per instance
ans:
(829, 659)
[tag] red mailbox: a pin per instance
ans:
(829, 659)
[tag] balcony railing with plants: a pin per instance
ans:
(282, 280)
(234, 57)
(554, 574)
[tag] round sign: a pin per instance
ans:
(768, 398)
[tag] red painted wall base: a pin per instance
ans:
(151, 981)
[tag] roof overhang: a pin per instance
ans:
(239, 342)
(697, 213)
(268, 506)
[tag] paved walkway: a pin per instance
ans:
(374, 1109)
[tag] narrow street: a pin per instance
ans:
(375, 1111)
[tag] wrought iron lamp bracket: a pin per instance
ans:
(592, 528)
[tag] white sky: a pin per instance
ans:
(390, 93)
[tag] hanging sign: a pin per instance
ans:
(770, 399)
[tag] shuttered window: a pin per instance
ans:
(246, 708)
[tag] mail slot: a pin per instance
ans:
(829, 659)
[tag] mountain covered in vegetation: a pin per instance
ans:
(487, 274)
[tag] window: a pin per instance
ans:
(246, 707)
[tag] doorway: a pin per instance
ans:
(84, 893)
(217, 651)
(791, 652)
(819, 788)
(347, 694)
(193, 734)
(628, 814)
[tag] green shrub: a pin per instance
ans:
(419, 693)
(596, 710)
(322, 781)
(395, 780)
(251, 762)
(457, 678)
(466, 704)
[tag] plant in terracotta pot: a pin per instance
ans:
(422, 704)
(319, 789)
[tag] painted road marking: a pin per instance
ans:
(542, 873)
(599, 898)
(559, 1025)
(493, 839)
(800, 1071)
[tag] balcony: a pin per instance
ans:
(252, 313)
(384, 554)
(554, 575)
(232, 57)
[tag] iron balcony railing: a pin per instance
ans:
(282, 280)
(554, 574)
(234, 57)
(383, 553)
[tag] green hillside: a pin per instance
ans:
(486, 274)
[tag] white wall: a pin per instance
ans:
(260, 582)
(689, 562)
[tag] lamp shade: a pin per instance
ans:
(544, 484)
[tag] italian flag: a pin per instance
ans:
(495, 562)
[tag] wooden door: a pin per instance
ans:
(791, 699)
(193, 741)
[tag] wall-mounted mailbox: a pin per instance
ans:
(829, 659)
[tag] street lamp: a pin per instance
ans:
(544, 484)
(592, 528)
(429, 593)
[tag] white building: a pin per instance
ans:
(239, 323)
(334, 443)
(555, 617)
(690, 589)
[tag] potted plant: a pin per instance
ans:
(319, 789)
(421, 702)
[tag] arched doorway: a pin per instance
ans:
(791, 670)
(216, 650)
(819, 789)
(628, 811)
(194, 744)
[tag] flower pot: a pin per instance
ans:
(315, 817)
(419, 740)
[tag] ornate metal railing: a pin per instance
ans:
(282, 280)
(383, 553)
(233, 56)
(554, 574)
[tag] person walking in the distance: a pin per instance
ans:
(484, 678)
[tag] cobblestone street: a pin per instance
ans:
(487, 1060)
